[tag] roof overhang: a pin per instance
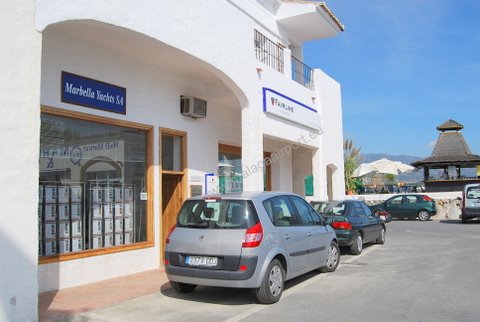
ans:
(305, 21)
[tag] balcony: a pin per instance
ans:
(269, 52)
(302, 73)
(275, 56)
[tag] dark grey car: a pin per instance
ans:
(248, 240)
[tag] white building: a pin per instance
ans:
(95, 143)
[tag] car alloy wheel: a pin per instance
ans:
(423, 215)
(333, 258)
(272, 285)
(381, 239)
(275, 280)
(357, 245)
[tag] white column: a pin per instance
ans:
(252, 149)
(20, 128)
(319, 176)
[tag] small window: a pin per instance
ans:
(280, 211)
(217, 214)
(473, 192)
(359, 210)
(171, 153)
(412, 199)
(396, 201)
(303, 211)
(367, 210)
(334, 209)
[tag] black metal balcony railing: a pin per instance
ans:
(268, 52)
(302, 73)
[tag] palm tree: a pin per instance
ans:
(351, 156)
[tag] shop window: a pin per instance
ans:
(92, 186)
(230, 169)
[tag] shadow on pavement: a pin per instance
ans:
(229, 296)
(459, 221)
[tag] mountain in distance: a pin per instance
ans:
(415, 176)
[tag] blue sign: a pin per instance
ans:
(88, 92)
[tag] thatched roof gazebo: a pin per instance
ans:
(452, 156)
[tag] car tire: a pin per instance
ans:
(183, 287)
(357, 245)
(381, 240)
(464, 219)
(423, 215)
(272, 284)
(333, 258)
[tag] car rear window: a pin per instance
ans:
(217, 214)
(334, 209)
(473, 192)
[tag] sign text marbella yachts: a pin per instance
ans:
(88, 92)
(285, 107)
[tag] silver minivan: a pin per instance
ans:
(471, 202)
(248, 240)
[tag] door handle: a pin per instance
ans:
(286, 236)
(309, 234)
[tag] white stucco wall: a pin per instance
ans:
(329, 96)
(153, 99)
(19, 120)
(220, 35)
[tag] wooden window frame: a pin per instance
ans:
(183, 137)
(149, 129)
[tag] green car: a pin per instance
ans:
(408, 206)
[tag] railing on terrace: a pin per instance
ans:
(302, 73)
(268, 52)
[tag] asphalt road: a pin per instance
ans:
(426, 271)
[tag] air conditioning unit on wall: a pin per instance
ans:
(193, 107)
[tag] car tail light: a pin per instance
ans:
(427, 198)
(341, 225)
(463, 200)
(253, 236)
(169, 233)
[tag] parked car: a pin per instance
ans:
(408, 206)
(319, 206)
(470, 202)
(248, 240)
(354, 224)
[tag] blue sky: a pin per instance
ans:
(405, 67)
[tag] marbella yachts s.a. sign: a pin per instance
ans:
(88, 92)
(283, 106)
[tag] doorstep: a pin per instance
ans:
(57, 305)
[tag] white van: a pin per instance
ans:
(471, 202)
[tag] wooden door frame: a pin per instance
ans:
(184, 172)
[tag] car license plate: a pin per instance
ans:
(201, 261)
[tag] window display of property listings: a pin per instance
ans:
(91, 179)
